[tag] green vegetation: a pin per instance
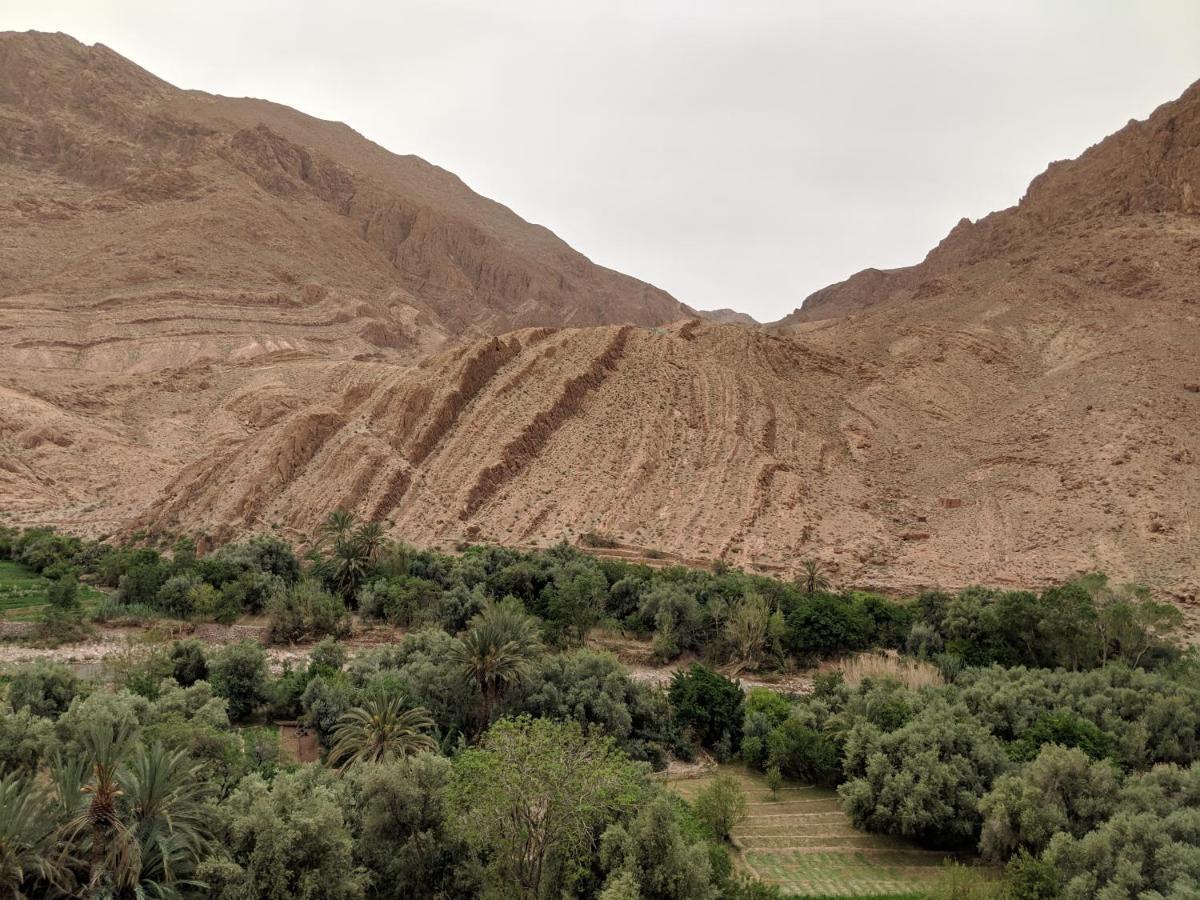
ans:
(488, 752)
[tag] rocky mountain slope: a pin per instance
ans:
(1019, 407)
(148, 227)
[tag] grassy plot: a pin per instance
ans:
(22, 591)
(805, 844)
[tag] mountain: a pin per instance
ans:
(148, 227)
(727, 316)
(1149, 168)
(212, 322)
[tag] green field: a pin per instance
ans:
(804, 843)
(22, 591)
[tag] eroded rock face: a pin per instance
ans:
(153, 228)
(223, 315)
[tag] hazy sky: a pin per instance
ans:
(736, 154)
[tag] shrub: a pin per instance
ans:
(721, 806)
(188, 664)
(307, 610)
(821, 625)
(403, 600)
(44, 688)
(707, 703)
(803, 754)
(238, 673)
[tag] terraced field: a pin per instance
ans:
(23, 591)
(804, 843)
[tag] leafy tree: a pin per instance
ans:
(707, 703)
(1027, 877)
(774, 781)
(423, 668)
(238, 673)
(924, 780)
(820, 625)
(651, 857)
(24, 741)
(188, 663)
(402, 600)
(802, 753)
(44, 688)
(289, 840)
(576, 600)
(63, 594)
(721, 806)
(381, 729)
(306, 610)
(1064, 729)
(1061, 790)
(535, 797)
(407, 841)
(594, 689)
(674, 615)
(141, 583)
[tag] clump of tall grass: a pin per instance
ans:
(909, 671)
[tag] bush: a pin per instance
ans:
(924, 780)
(821, 625)
(707, 703)
(175, 596)
(25, 738)
(238, 673)
(403, 600)
(140, 584)
(721, 806)
(44, 688)
(188, 664)
(307, 610)
(803, 754)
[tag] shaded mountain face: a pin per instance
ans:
(150, 227)
(223, 317)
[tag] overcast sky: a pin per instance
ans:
(736, 154)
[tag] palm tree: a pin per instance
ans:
(381, 729)
(138, 818)
(336, 527)
(27, 848)
(814, 577)
(371, 540)
(114, 851)
(348, 567)
(162, 800)
(496, 652)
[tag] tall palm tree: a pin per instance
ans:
(814, 578)
(496, 652)
(163, 805)
(28, 855)
(371, 540)
(337, 526)
(348, 567)
(136, 818)
(114, 851)
(381, 729)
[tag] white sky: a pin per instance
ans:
(736, 154)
